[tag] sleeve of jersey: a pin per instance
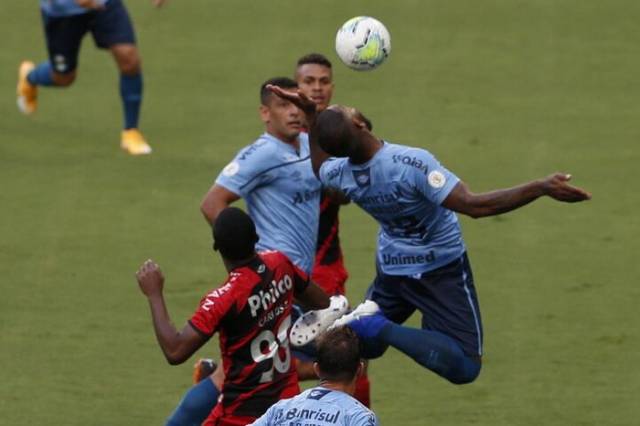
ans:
(364, 418)
(213, 307)
(330, 172)
(249, 169)
(433, 180)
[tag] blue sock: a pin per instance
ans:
(131, 94)
(196, 404)
(433, 350)
(41, 75)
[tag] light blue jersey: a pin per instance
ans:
(64, 7)
(318, 407)
(282, 195)
(403, 189)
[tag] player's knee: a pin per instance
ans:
(64, 80)
(128, 59)
(373, 350)
(467, 373)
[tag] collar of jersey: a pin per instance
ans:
(285, 145)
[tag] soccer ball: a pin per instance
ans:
(363, 43)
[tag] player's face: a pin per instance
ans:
(316, 81)
(282, 118)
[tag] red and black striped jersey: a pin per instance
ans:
(328, 249)
(251, 311)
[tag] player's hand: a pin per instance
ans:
(298, 98)
(557, 187)
(158, 3)
(91, 4)
(150, 278)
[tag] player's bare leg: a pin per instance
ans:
(128, 60)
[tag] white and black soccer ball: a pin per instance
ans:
(363, 43)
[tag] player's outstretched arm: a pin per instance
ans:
(177, 346)
(217, 199)
(556, 186)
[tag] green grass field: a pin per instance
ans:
(501, 91)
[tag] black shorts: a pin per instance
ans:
(64, 34)
(446, 298)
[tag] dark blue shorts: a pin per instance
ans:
(446, 298)
(65, 33)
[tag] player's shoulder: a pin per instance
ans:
(333, 167)
(262, 148)
(273, 258)
(409, 158)
(359, 414)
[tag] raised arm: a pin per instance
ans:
(177, 346)
(556, 186)
(217, 199)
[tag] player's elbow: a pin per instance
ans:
(175, 358)
(207, 209)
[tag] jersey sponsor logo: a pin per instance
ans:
(381, 198)
(231, 169)
(408, 259)
(317, 394)
(334, 173)
(327, 417)
(266, 299)
(362, 177)
(215, 294)
(436, 179)
(410, 161)
(251, 149)
(305, 196)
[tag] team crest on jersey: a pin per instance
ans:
(231, 169)
(436, 179)
(362, 177)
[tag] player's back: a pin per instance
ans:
(319, 407)
(252, 312)
(403, 189)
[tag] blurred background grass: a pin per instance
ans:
(500, 91)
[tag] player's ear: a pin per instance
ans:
(360, 125)
(265, 115)
(360, 371)
(316, 369)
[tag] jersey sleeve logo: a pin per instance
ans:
(362, 177)
(231, 169)
(436, 179)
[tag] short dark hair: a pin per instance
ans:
(284, 82)
(333, 132)
(234, 234)
(314, 58)
(338, 354)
